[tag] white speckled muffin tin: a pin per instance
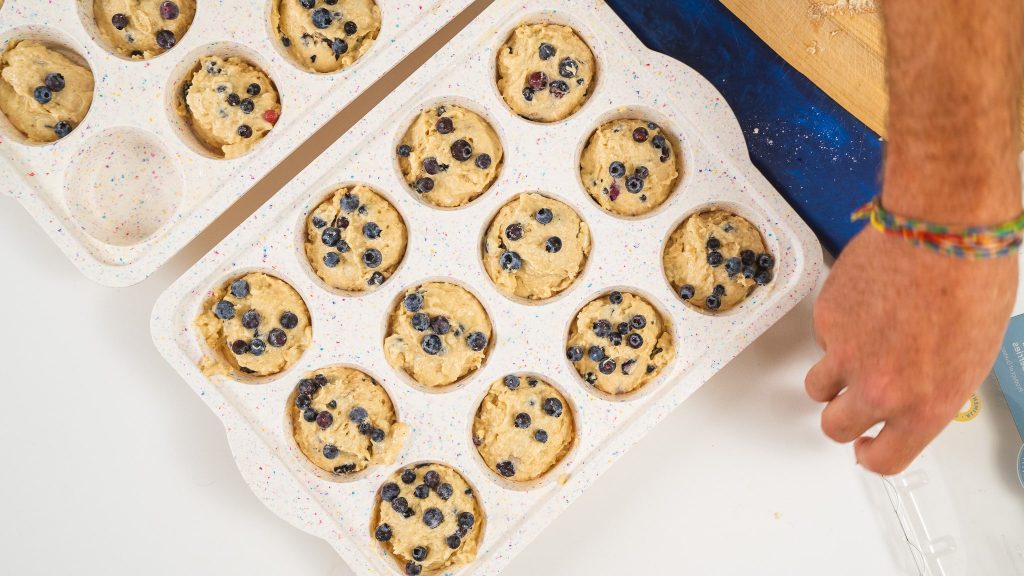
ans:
(446, 244)
(131, 185)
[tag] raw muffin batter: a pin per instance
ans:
(355, 239)
(714, 260)
(42, 92)
(141, 29)
(344, 422)
(629, 167)
(257, 324)
(326, 36)
(438, 333)
(535, 247)
(545, 72)
(428, 519)
(449, 156)
(230, 105)
(523, 428)
(619, 343)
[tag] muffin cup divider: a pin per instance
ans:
(530, 338)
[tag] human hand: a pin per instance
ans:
(908, 335)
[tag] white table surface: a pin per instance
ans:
(112, 464)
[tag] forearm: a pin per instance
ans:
(955, 77)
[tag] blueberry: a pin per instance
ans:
(420, 321)
(622, 328)
(168, 10)
(424, 185)
(332, 404)
(553, 245)
(42, 94)
(251, 319)
(332, 259)
(483, 161)
(413, 301)
(166, 39)
(558, 88)
(330, 236)
(749, 272)
(547, 51)
(224, 310)
(345, 469)
(659, 142)
(514, 232)
(596, 353)
(239, 347)
(432, 479)
(763, 278)
(372, 258)
(766, 261)
(511, 381)
(349, 202)
(377, 435)
(445, 491)
(408, 477)
(615, 298)
(628, 365)
(453, 542)
(714, 244)
(413, 569)
(54, 81)
(277, 338)
(432, 517)
(602, 328)
(719, 290)
(528, 94)
(431, 344)
(635, 184)
(511, 261)
(462, 150)
(404, 150)
(253, 89)
(331, 451)
(476, 341)
(748, 257)
(303, 401)
(245, 131)
(339, 46)
(733, 266)
(62, 128)
(440, 325)
(687, 292)
(289, 320)
(358, 414)
(309, 415)
(615, 339)
(465, 520)
(541, 436)
(544, 216)
(445, 125)
(574, 354)
(399, 504)
(715, 259)
(635, 341)
(641, 135)
(120, 21)
(419, 553)
(351, 28)
(421, 491)
(382, 533)
(506, 469)
(523, 420)
(233, 99)
(307, 4)
(617, 169)
(343, 247)
(713, 302)
(607, 366)
(247, 106)
(371, 230)
(324, 420)
(320, 380)
(568, 68)
(322, 18)
(638, 322)
(537, 81)
(389, 492)
(431, 165)
(553, 407)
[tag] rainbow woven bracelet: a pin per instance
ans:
(969, 242)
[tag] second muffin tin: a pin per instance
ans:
(445, 244)
(130, 186)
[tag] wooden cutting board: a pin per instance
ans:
(838, 44)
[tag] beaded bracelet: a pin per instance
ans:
(969, 242)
